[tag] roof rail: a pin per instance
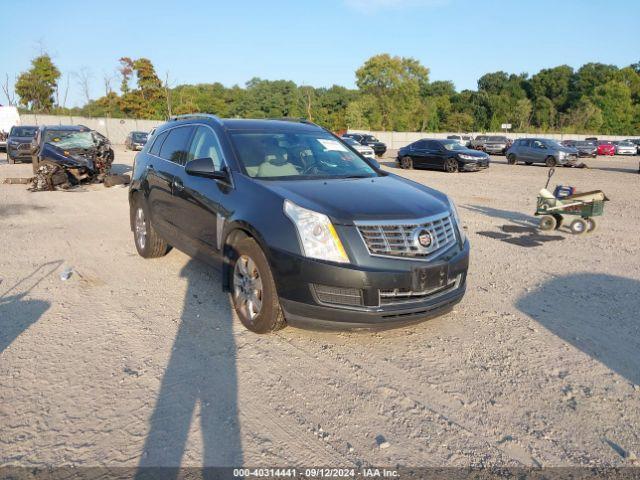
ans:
(294, 119)
(188, 116)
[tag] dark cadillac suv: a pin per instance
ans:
(303, 228)
(447, 155)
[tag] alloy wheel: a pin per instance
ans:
(140, 225)
(247, 287)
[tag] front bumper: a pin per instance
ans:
(500, 149)
(18, 153)
(474, 166)
(297, 279)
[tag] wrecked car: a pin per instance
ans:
(82, 154)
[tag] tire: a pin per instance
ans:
(550, 162)
(591, 224)
(10, 159)
(547, 222)
(406, 163)
(148, 243)
(252, 282)
(511, 159)
(578, 226)
(451, 165)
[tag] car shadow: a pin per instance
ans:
(17, 314)
(201, 373)
(521, 236)
(11, 209)
(595, 313)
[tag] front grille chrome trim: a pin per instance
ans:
(393, 238)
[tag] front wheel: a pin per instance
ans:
(550, 162)
(451, 165)
(591, 224)
(511, 159)
(578, 226)
(547, 222)
(406, 163)
(148, 243)
(253, 290)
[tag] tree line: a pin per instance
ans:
(393, 93)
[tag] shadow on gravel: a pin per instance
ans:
(521, 236)
(18, 314)
(596, 313)
(201, 373)
(17, 209)
(120, 169)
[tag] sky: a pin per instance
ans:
(317, 43)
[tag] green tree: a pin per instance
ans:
(544, 113)
(395, 82)
(36, 86)
(554, 84)
(614, 99)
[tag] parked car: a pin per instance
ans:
(636, 142)
(362, 149)
(136, 140)
(369, 140)
(492, 144)
(626, 148)
(463, 140)
(447, 155)
(584, 148)
(19, 143)
(541, 150)
(302, 228)
(81, 151)
(478, 142)
(606, 148)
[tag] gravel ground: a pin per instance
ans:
(141, 362)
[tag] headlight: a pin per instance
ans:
(456, 218)
(462, 156)
(316, 233)
(562, 154)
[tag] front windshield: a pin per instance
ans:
(498, 139)
(625, 144)
(552, 144)
(452, 145)
(295, 156)
(23, 131)
(140, 136)
(69, 139)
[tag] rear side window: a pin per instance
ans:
(157, 143)
(432, 145)
(176, 146)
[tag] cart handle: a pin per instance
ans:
(552, 170)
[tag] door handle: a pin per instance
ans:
(178, 185)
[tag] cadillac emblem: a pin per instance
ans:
(422, 237)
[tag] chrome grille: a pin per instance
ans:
(339, 295)
(399, 239)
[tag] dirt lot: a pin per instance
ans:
(141, 362)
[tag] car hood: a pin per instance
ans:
(346, 200)
(473, 153)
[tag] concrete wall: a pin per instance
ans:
(116, 129)
(396, 140)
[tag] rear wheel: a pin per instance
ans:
(547, 222)
(148, 243)
(578, 226)
(559, 219)
(406, 163)
(550, 162)
(511, 159)
(253, 290)
(451, 165)
(591, 224)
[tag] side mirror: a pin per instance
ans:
(204, 167)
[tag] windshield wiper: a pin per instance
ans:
(358, 176)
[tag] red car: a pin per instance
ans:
(606, 148)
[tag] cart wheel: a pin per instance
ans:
(591, 224)
(547, 222)
(578, 226)
(559, 219)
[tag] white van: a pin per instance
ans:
(9, 117)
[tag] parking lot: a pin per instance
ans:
(140, 362)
